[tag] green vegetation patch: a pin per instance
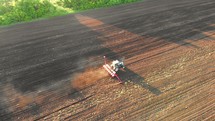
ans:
(27, 10)
(15, 11)
(90, 4)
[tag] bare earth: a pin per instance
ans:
(52, 69)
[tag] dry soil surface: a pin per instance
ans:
(52, 69)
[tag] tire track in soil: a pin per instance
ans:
(192, 101)
(169, 99)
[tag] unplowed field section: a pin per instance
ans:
(52, 69)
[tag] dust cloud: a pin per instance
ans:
(88, 77)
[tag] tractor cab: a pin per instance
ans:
(117, 65)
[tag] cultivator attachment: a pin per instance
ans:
(109, 70)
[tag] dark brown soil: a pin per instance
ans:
(52, 69)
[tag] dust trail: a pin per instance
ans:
(88, 77)
(18, 100)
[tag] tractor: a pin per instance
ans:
(112, 69)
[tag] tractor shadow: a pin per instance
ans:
(129, 75)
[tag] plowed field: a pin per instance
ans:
(52, 69)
